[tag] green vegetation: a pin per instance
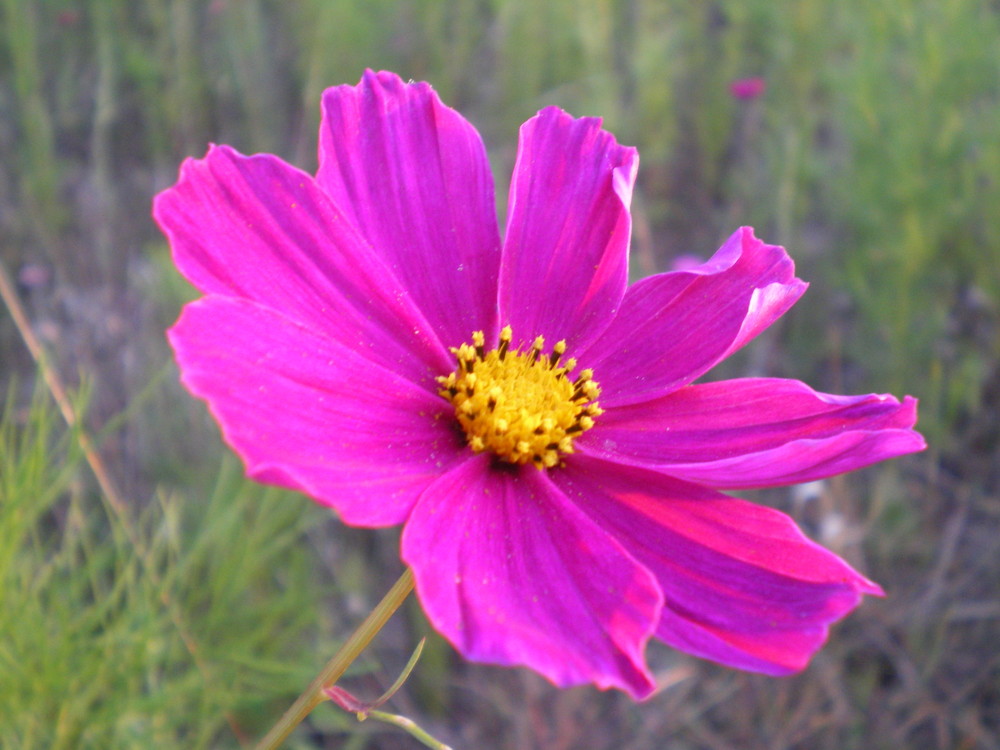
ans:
(90, 625)
(873, 155)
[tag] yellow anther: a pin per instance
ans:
(557, 351)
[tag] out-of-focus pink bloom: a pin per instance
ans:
(68, 17)
(366, 337)
(34, 275)
(748, 88)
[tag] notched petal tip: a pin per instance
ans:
(908, 408)
(771, 265)
(674, 327)
(383, 83)
(743, 585)
(756, 432)
(413, 176)
(565, 257)
(868, 587)
(624, 160)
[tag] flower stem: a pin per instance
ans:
(408, 725)
(336, 667)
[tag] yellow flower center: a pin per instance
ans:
(521, 405)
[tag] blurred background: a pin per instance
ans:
(190, 607)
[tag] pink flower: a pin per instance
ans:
(748, 88)
(366, 337)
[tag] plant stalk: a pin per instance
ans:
(336, 667)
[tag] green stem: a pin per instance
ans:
(336, 667)
(407, 725)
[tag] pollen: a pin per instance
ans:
(521, 404)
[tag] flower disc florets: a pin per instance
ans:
(520, 405)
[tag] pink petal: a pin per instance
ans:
(742, 585)
(759, 432)
(259, 229)
(565, 257)
(307, 412)
(675, 326)
(412, 174)
(512, 573)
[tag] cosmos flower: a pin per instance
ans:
(366, 337)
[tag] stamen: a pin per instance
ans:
(536, 348)
(557, 351)
(505, 336)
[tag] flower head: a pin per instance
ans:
(366, 337)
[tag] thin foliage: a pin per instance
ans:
(89, 654)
